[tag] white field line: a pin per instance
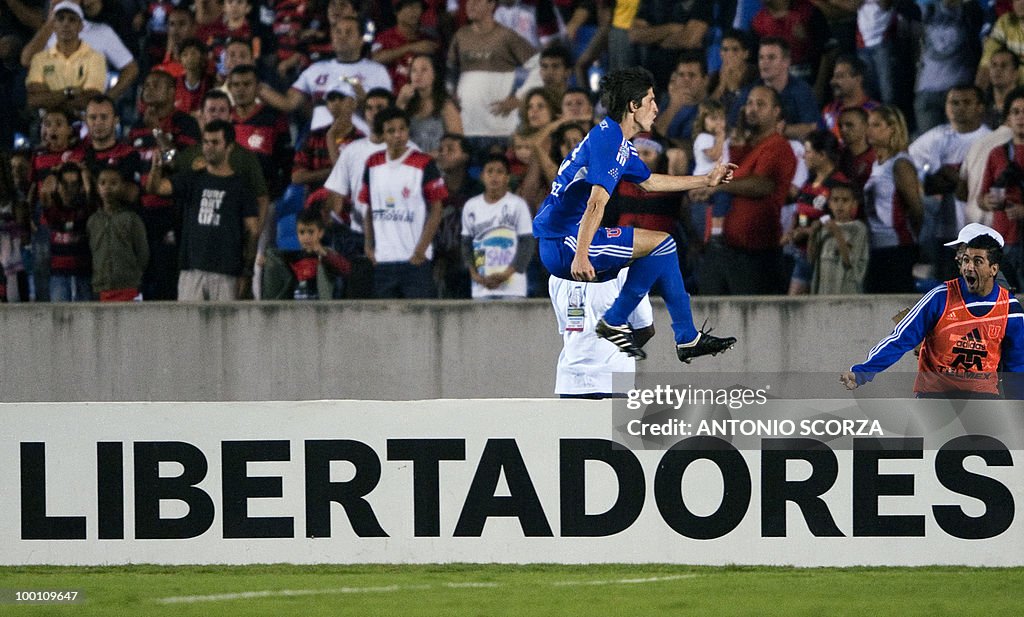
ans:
(284, 593)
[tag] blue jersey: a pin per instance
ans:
(923, 317)
(604, 158)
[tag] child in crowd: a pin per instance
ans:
(820, 154)
(66, 218)
(234, 24)
(192, 85)
(839, 247)
(497, 240)
(313, 272)
(117, 238)
(708, 147)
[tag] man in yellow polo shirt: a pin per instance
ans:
(67, 74)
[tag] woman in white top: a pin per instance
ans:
(893, 205)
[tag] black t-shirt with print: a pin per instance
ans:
(213, 209)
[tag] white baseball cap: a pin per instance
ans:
(972, 231)
(66, 5)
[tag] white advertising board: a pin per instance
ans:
(515, 481)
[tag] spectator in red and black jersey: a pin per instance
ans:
(453, 159)
(234, 24)
(313, 272)
(197, 78)
(161, 279)
(857, 155)
(317, 44)
(260, 129)
(162, 47)
(319, 152)
(821, 152)
(101, 147)
(56, 141)
(70, 260)
(396, 47)
(296, 24)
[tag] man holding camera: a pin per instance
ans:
(1002, 189)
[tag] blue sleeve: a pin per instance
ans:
(636, 171)
(610, 160)
(910, 331)
(1013, 353)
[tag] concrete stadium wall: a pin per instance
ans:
(384, 350)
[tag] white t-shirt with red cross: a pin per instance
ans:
(399, 193)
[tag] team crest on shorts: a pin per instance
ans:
(614, 232)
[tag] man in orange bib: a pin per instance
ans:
(967, 325)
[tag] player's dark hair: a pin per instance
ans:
(623, 87)
(387, 115)
(825, 142)
(990, 244)
(310, 216)
(221, 126)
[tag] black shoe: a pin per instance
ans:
(621, 337)
(704, 345)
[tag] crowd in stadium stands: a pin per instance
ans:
(232, 149)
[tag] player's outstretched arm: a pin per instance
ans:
(721, 173)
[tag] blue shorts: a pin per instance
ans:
(610, 251)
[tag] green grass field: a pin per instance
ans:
(485, 590)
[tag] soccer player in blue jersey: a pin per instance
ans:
(970, 326)
(572, 243)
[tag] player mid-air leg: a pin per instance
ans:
(656, 262)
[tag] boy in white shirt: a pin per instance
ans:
(497, 235)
